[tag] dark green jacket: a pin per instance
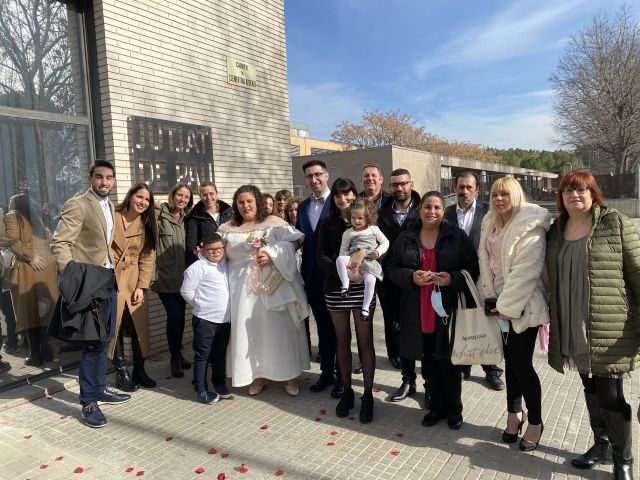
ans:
(170, 258)
(613, 330)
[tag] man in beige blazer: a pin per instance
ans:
(83, 235)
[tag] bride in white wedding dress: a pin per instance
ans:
(268, 303)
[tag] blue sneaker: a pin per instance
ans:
(208, 397)
(112, 397)
(92, 415)
(223, 391)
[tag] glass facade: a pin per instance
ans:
(46, 146)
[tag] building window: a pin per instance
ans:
(46, 146)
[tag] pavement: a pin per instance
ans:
(163, 433)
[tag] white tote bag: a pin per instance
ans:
(476, 339)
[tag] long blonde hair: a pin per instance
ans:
(516, 194)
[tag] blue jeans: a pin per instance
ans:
(93, 363)
(210, 342)
(175, 307)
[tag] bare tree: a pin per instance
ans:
(597, 83)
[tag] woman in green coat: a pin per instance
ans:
(593, 261)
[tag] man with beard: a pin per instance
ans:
(468, 214)
(397, 213)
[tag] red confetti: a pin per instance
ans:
(27, 437)
(78, 470)
(224, 454)
(330, 444)
(279, 473)
(129, 470)
(323, 411)
(140, 473)
(352, 418)
(43, 466)
(399, 434)
(318, 419)
(221, 476)
(395, 453)
(213, 451)
(376, 390)
(264, 427)
(59, 458)
(243, 468)
(199, 470)
(334, 433)
(64, 417)
(49, 397)
(168, 439)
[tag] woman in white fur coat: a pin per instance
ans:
(511, 255)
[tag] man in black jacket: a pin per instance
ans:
(398, 212)
(468, 213)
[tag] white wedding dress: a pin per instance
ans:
(268, 338)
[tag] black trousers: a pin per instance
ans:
(609, 391)
(522, 379)
(210, 342)
(389, 296)
(326, 332)
(445, 384)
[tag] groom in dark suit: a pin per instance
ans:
(468, 213)
(311, 211)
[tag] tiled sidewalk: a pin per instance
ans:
(164, 434)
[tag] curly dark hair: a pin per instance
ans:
(148, 217)
(261, 213)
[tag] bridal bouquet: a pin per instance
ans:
(273, 279)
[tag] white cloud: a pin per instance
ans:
(521, 30)
(324, 105)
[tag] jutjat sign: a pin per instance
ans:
(165, 153)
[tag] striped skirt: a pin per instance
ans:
(335, 303)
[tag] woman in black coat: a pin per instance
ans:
(429, 255)
(205, 217)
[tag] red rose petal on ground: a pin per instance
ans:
(129, 470)
(375, 390)
(43, 466)
(59, 458)
(279, 473)
(264, 427)
(199, 470)
(330, 444)
(49, 397)
(168, 439)
(323, 411)
(221, 476)
(78, 470)
(224, 454)
(399, 434)
(140, 473)
(64, 417)
(243, 468)
(395, 453)
(318, 419)
(213, 451)
(334, 433)
(352, 418)
(27, 437)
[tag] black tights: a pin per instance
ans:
(609, 391)
(366, 350)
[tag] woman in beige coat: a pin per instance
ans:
(36, 293)
(134, 247)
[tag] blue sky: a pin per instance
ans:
(466, 70)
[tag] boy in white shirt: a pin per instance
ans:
(206, 288)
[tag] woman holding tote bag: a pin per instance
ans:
(511, 255)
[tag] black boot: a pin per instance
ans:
(346, 403)
(176, 367)
(407, 388)
(186, 364)
(139, 375)
(124, 381)
(366, 408)
(45, 349)
(34, 359)
(600, 451)
(619, 429)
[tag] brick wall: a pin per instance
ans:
(167, 60)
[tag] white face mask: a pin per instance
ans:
(436, 302)
(504, 325)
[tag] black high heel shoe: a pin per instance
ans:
(527, 446)
(513, 437)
